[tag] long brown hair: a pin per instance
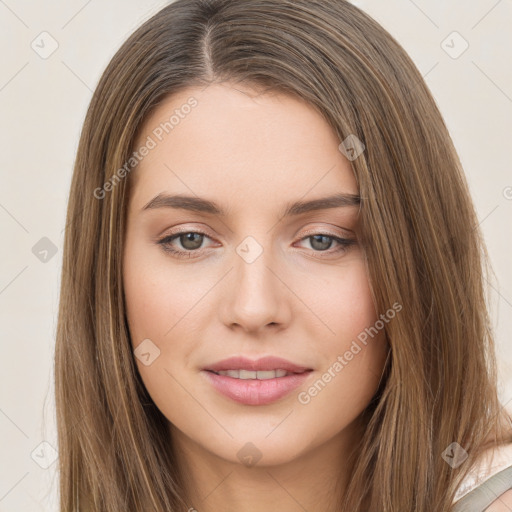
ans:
(420, 236)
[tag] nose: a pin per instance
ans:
(256, 296)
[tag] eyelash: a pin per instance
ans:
(344, 244)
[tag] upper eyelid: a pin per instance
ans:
(315, 229)
(310, 232)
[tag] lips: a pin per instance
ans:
(269, 363)
(259, 382)
(249, 374)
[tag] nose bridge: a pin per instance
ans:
(256, 293)
(253, 256)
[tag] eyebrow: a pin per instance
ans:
(197, 204)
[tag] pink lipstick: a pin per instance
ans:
(258, 382)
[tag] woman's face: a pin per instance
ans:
(271, 272)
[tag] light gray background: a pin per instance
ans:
(43, 102)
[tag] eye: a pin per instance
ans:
(323, 242)
(191, 242)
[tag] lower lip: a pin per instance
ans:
(253, 391)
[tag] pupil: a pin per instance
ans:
(189, 237)
(323, 246)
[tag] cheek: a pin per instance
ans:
(353, 345)
(158, 296)
(344, 305)
(157, 305)
(152, 308)
(163, 305)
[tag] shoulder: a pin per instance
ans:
(490, 476)
(502, 504)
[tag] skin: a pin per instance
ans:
(304, 301)
(502, 504)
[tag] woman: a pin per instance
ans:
(272, 292)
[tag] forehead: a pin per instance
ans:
(239, 145)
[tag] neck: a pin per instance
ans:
(313, 480)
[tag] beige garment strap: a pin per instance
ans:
(491, 462)
(482, 496)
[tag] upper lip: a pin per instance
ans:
(262, 364)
